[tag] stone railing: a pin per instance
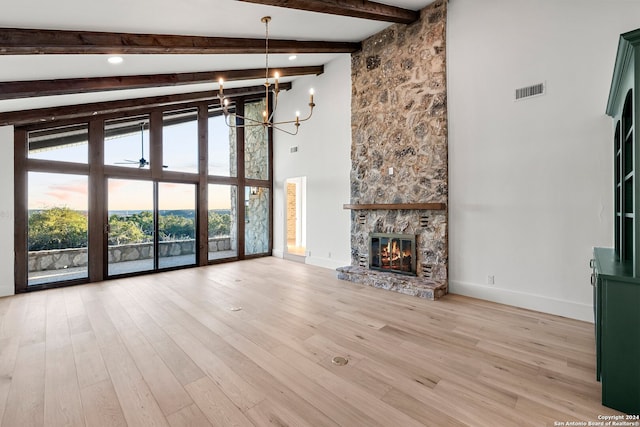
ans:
(58, 259)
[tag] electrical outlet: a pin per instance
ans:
(491, 280)
(329, 255)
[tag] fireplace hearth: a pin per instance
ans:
(394, 253)
(399, 247)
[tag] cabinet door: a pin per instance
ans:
(620, 346)
(597, 319)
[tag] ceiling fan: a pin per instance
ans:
(142, 162)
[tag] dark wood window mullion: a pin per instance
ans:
(20, 209)
(202, 204)
(270, 185)
(46, 166)
(156, 160)
(98, 215)
(156, 227)
(241, 177)
(155, 144)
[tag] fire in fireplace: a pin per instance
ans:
(393, 252)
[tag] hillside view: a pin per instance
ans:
(63, 228)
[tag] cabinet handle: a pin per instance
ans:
(593, 280)
(592, 263)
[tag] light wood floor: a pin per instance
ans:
(173, 349)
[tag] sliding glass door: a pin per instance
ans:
(131, 226)
(176, 224)
(136, 210)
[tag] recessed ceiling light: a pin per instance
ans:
(115, 59)
(293, 57)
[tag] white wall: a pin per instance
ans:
(324, 157)
(6, 211)
(531, 181)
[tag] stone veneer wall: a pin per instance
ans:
(399, 121)
(256, 163)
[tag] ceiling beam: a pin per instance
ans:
(16, 41)
(353, 8)
(31, 88)
(71, 112)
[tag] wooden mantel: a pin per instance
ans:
(405, 206)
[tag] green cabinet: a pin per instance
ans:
(617, 319)
(616, 277)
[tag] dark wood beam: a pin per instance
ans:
(48, 115)
(17, 41)
(354, 8)
(29, 88)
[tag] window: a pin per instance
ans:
(176, 224)
(222, 221)
(222, 147)
(256, 143)
(131, 226)
(180, 141)
(68, 144)
(256, 220)
(126, 142)
(97, 212)
(57, 239)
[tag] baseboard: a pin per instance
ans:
(329, 263)
(295, 258)
(570, 309)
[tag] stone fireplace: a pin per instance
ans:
(399, 152)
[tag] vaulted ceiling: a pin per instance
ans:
(55, 53)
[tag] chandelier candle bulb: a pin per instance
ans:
(311, 92)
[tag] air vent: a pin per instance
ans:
(530, 91)
(362, 218)
(363, 261)
(427, 271)
(424, 220)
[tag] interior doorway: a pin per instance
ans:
(296, 216)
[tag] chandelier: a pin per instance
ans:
(267, 118)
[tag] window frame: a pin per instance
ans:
(98, 173)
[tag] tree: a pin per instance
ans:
(219, 224)
(144, 220)
(57, 228)
(173, 227)
(123, 230)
